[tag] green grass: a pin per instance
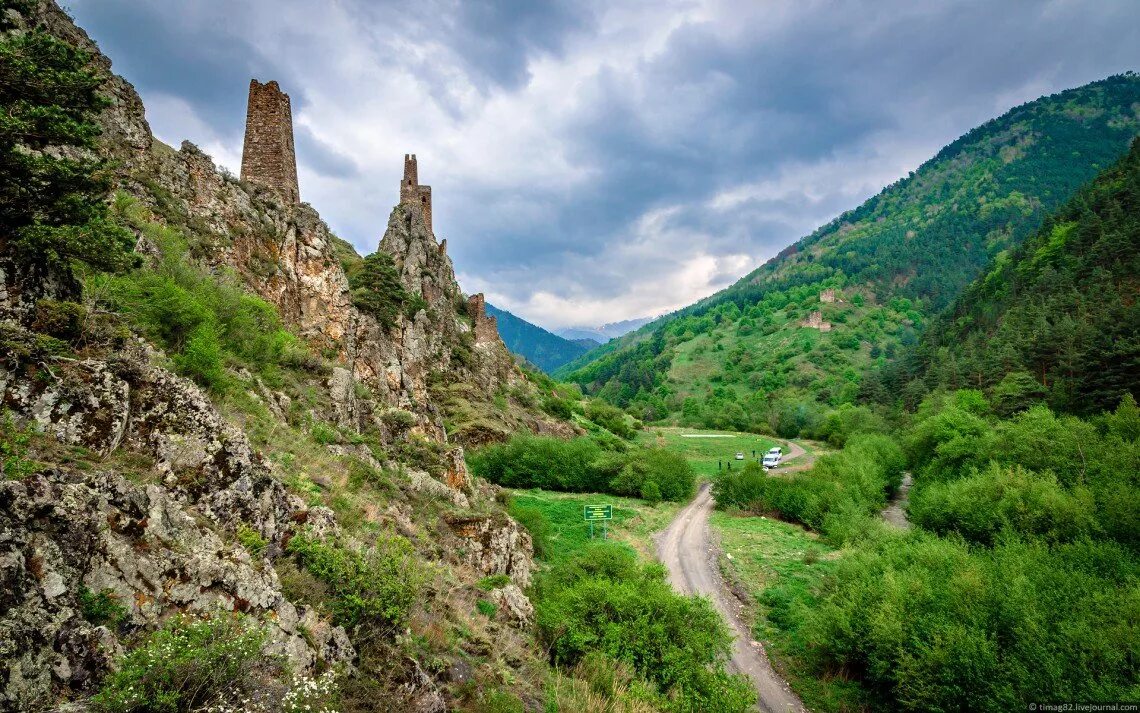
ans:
(703, 453)
(781, 566)
(633, 525)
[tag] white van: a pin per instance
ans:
(771, 460)
(775, 451)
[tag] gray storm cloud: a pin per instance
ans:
(597, 161)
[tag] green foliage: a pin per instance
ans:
(604, 602)
(612, 419)
(375, 585)
(14, 440)
(60, 319)
(932, 625)
(832, 497)
(535, 522)
(983, 505)
(398, 420)
(486, 608)
(52, 201)
(582, 465)
(495, 581)
(102, 608)
(377, 290)
(252, 540)
(323, 434)
(668, 472)
(651, 492)
(186, 665)
(1055, 319)
(204, 320)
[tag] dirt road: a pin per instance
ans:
(796, 452)
(895, 513)
(686, 549)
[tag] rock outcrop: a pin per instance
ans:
(161, 538)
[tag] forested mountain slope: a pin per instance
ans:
(778, 340)
(1056, 317)
(544, 349)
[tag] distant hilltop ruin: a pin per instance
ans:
(268, 158)
(412, 193)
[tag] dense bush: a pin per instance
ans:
(374, 585)
(377, 290)
(981, 506)
(611, 418)
(841, 486)
(528, 461)
(186, 665)
(534, 521)
(604, 602)
(205, 320)
(931, 625)
(1077, 461)
(583, 465)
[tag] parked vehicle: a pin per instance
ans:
(739, 455)
(771, 460)
(775, 452)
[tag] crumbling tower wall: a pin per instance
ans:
(412, 193)
(486, 326)
(268, 157)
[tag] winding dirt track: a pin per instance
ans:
(686, 549)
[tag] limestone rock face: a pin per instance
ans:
(156, 547)
(496, 545)
(64, 531)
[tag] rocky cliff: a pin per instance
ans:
(147, 489)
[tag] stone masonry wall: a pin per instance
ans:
(268, 158)
(412, 193)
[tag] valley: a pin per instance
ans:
(247, 467)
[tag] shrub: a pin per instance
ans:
(670, 472)
(14, 461)
(60, 319)
(540, 462)
(378, 584)
(323, 433)
(203, 319)
(252, 540)
(398, 420)
(486, 608)
(604, 602)
(533, 521)
(651, 492)
(933, 625)
(1000, 498)
(102, 609)
(609, 417)
(559, 408)
(186, 665)
(377, 290)
(495, 581)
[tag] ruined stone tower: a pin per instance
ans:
(411, 192)
(268, 158)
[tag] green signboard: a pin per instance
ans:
(594, 513)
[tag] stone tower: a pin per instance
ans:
(268, 158)
(412, 193)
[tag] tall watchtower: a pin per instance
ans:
(268, 158)
(411, 192)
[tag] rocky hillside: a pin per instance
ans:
(803, 327)
(219, 431)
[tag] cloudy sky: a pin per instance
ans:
(598, 160)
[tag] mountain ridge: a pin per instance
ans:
(769, 342)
